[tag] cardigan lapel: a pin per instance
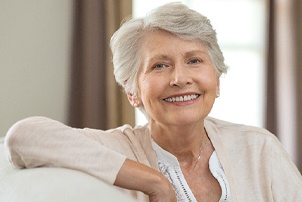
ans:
(214, 135)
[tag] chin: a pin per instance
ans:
(184, 121)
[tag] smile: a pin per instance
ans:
(182, 98)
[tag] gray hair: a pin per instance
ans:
(175, 18)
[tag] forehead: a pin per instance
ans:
(156, 42)
(157, 39)
(158, 35)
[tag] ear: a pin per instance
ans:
(130, 98)
(218, 88)
(134, 101)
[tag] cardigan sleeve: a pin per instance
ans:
(39, 141)
(286, 178)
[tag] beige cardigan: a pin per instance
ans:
(255, 163)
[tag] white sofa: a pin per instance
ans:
(52, 185)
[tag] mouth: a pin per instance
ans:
(183, 98)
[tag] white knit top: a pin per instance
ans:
(170, 168)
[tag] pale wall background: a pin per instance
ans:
(35, 48)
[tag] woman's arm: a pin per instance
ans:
(39, 141)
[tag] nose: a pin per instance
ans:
(180, 77)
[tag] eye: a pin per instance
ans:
(159, 66)
(194, 61)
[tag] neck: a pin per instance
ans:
(184, 142)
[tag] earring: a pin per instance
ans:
(217, 95)
(135, 104)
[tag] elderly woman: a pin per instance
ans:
(169, 64)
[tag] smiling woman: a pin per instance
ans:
(181, 154)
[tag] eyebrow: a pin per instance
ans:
(194, 52)
(156, 57)
(186, 54)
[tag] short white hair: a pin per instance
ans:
(174, 18)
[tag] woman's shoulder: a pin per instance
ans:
(237, 130)
(240, 139)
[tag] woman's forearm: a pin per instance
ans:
(39, 141)
(136, 176)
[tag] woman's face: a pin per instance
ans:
(177, 82)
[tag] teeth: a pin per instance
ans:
(182, 98)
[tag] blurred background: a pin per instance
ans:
(55, 61)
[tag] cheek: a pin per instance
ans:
(151, 88)
(208, 80)
(145, 87)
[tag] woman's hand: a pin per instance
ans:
(136, 176)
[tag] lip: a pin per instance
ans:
(183, 98)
